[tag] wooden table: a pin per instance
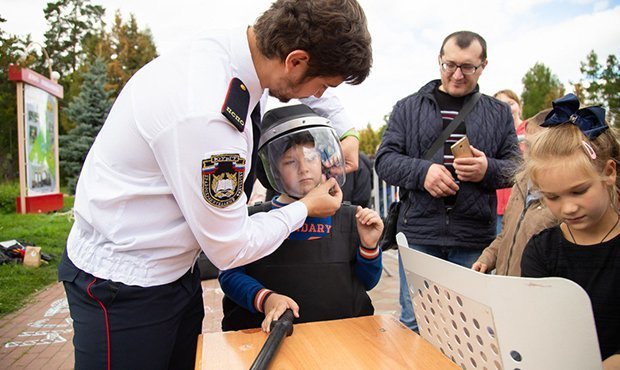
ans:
(370, 342)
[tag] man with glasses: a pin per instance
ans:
(449, 204)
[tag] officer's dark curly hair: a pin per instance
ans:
(333, 32)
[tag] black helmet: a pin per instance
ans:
(299, 126)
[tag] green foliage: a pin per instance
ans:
(10, 45)
(48, 231)
(600, 85)
(540, 88)
(370, 139)
(131, 50)
(70, 21)
(8, 192)
(89, 111)
(125, 49)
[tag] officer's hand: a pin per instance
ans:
(471, 169)
(439, 182)
(369, 226)
(275, 305)
(324, 200)
(350, 148)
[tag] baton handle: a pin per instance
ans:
(279, 329)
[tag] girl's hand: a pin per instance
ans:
(480, 267)
(275, 305)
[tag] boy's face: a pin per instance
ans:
(300, 169)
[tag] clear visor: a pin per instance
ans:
(298, 161)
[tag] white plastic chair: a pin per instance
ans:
(499, 322)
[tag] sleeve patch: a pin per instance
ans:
(236, 105)
(222, 179)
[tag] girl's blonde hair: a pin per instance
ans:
(565, 145)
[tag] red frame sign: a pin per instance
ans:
(37, 115)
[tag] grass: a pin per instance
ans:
(48, 231)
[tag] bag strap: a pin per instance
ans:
(452, 126)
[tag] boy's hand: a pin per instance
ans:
(275, 305)
(369, 226)
(324, 200)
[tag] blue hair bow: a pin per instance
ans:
(590, 120)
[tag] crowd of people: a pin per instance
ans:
(559, 219)
(534, 198)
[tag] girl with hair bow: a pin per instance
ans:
(574, 165)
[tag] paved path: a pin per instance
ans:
(39, 336)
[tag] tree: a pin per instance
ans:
(601, 85)
(88, 110)
(131, 49)
(11, 48)
(611, 88)
(591, 71)
(70, 22)
(126, 49)
(540, 88)
(370, 139)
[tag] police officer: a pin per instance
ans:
(165, 178)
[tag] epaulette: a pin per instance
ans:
(236, 104)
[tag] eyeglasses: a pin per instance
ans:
(466, 69)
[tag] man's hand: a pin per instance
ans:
(324, 200)
(439, 182)
(472, 169)
(479, 266)
(351, 151)
(369, 226)
(275, 305)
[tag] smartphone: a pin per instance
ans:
(461, 148)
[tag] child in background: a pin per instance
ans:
(574, 165)
(525, 217)
(512, 99)
(323, 270)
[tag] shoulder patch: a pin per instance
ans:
(236, 104)
(222, 179)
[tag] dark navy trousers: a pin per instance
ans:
(118, 326)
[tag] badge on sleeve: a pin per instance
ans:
(222, 179)
(235, 107)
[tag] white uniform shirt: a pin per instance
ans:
(140, 215)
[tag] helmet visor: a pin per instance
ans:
(300, 160)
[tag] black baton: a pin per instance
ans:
(278, 330)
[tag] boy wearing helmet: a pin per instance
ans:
(323, 270)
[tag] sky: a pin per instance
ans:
(406, 36)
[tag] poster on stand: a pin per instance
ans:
(40, 113)
(37, 140)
